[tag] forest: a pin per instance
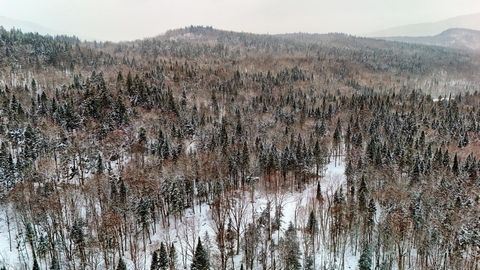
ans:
(208, 149)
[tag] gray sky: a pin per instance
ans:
(131, 19)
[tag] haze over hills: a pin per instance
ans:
(453, 38)
(471, 21)
(31, 27)
(458, 38)
(25, 26)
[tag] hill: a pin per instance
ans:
(458, 38)
(211, 149)
(471, 21)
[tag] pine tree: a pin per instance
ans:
(312, 225)
(455, 168)
(319, 195)
(30, 146)
(365, 262)
(200, 258)
(162, 258)
(337, 134)
(121, 265)
(35, 264)
(172, 258)
(154, 264)
(309, 263)
(100, 167)
(362, 195)
(290, 249)
(446, 159)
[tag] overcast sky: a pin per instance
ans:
(131, 19)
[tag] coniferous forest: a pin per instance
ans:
(207, 149)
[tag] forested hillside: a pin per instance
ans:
(207, 149)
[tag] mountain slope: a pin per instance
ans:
(471, 21)
(457, 38)
(257, 146)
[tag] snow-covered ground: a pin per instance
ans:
(10, 256)
(198, 222)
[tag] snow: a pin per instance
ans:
(191, 147)
(8, 258)
(197, 222)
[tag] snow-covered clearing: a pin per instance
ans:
(198, 222)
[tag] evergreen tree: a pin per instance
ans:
(35, 264)
(362, 195)
(121, 265)
(100, 167)
(455, 168)
(172, 258)
(446, 159)
(30, 146)
(319, 195)
(312, 225)
(200, 258)
(337, 134)
(119, 115)
(309, 263)
(365, 262)
(154, 264)
(290, 249)
(162, 258)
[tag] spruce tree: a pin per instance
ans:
(455, 168)
(172, 258)
(291, 249)
(446, 159)
(362, 195)
(319, 195)
(100, 167)
(309, 263)
(121, 265)
(365, 262)
(312, 225)
(35, 264)
(154, 264)
(200, 258)
(162, 258)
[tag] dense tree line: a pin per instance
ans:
(95, 167)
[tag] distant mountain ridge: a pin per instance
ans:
(458, 38)
(30, 27)
(25, 26)
(470, 21)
